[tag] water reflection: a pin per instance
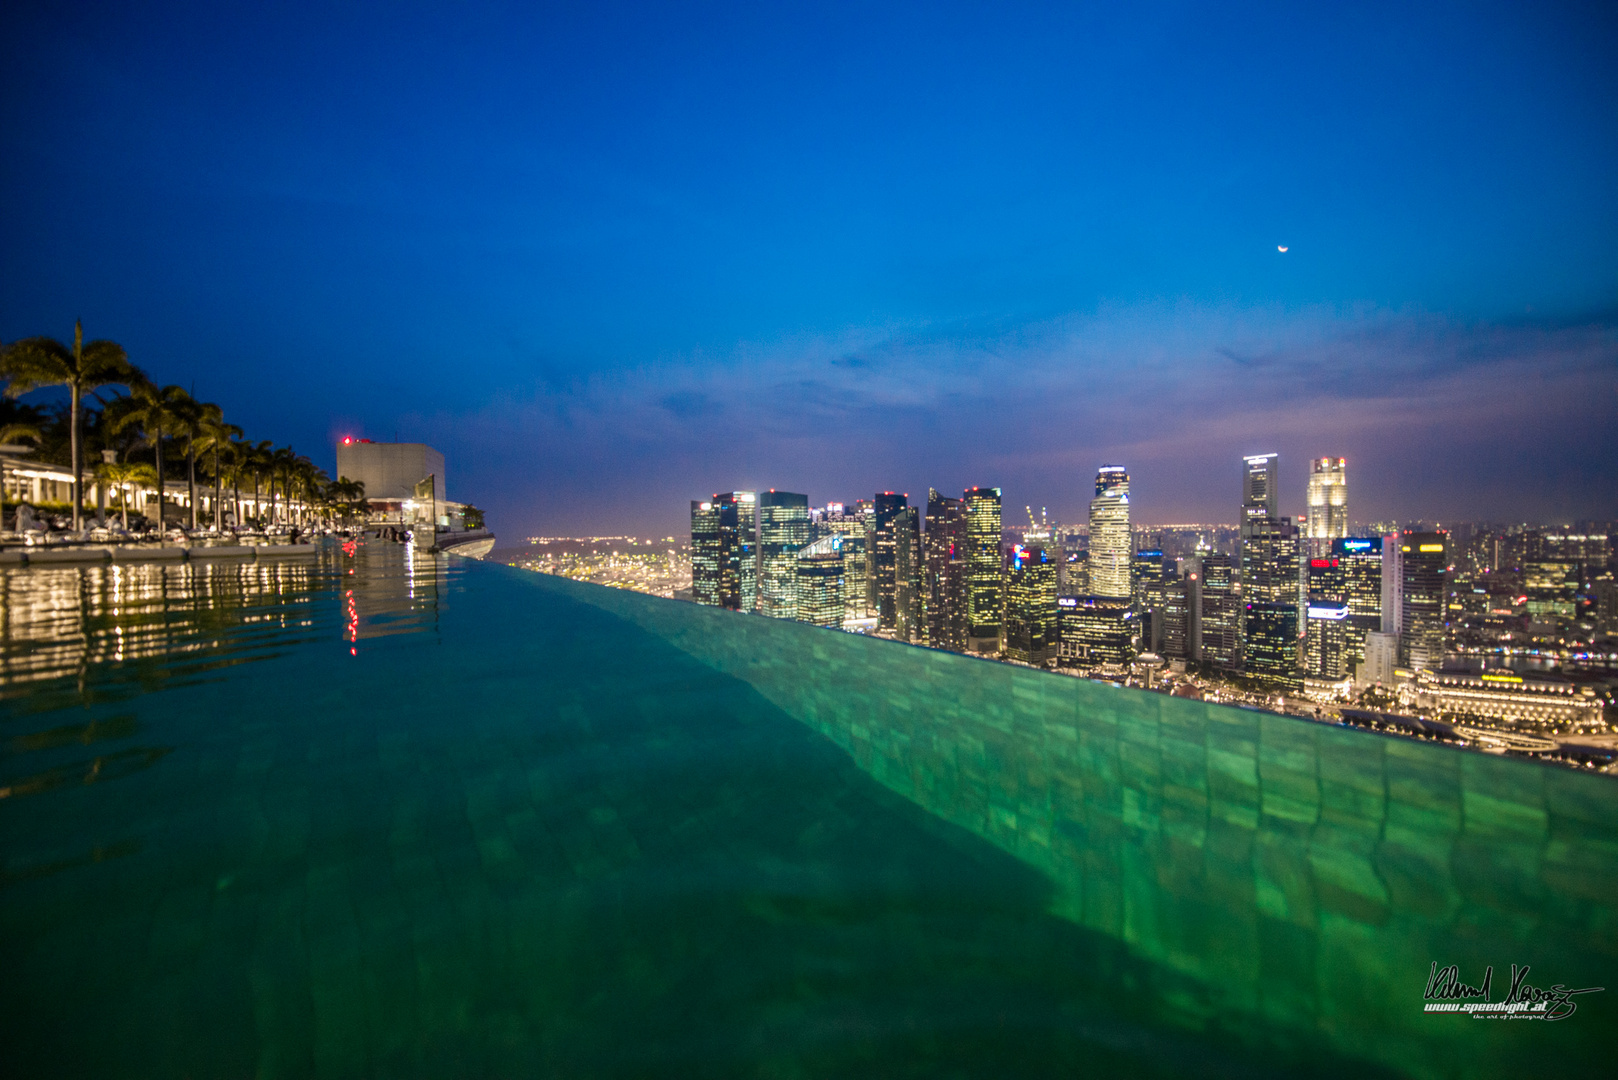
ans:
(91, 633)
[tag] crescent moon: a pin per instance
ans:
(1281, 247)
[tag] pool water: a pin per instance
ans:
(385, 814)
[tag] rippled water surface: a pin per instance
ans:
(377, 814)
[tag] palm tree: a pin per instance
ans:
(188, 416)
(256, 460)
(121, 476)
(158, 412)
(215, 437)
(41, 361)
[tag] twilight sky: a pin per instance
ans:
(609, 258)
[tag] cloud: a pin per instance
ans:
(1439, 418)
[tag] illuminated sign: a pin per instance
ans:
(1357, 545)
(1067, 601)
(1503, 678)
(1322, 564)
(1430, 547)
(1324, 611)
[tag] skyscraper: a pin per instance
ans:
(1110, 546)
(885, 507)
(1031, 633)
(1271, 580)
(983, 569)
(819, 584)
(783, 529)
(1217, 610)
(1360, 559)
(1423, 595)
(707, 552)
(945, 562)
(722, 566)
(1328, 499)
(909, 607)
(744, 550)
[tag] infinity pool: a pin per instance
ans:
(379, 814)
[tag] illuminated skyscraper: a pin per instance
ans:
(783, 529)
(707, 552)
(1326, 626)
(744, 557)
(1216, 607)
(1424, 591)
(984, 599)
(1260, 486)
(1360, 559)
(819, 585)
(1328, 499)
(1095, 632)
(1110, 544)
(909, 606)
(945, 567)
(722, 552)
(1031, 633)
(885, 507)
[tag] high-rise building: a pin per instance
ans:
(1095, 632)
(722, 550)
(1360, 560)
(1381, 660)
(1271, 580)
(885, 507)
(1328, 499)
(1424, 564)
(819, 584)
(1031, 632)
(1145, 568)
(945, 584)
(1166, 629)
(1110, 543)
(1270, 645)
(708, 554)
(783, 530)
(984, 572)
(1217, 609)
(1260, 486)
(744, 558)
(909, 608)
(848, 522)
(1326, 654)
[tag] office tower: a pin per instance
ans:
(1360, 561)
(1325, 642)
(721, 550)
(707, 553)
(1095, 632)
(945, 564)
(1169, 603)
(783, 530)
(909, 606)
(744, 557)
(1271, 579)
(983, 570)
(885, 507)
(819, 582)
(1031, 632)
(848, 522)
(1392, 584)
(1145, 568)
(1077, 578)
(1110, 546)
(1260, 486)
(1270, 644)
(1424, 592)
(867, 512)
(1219, 612)
(1328, 499)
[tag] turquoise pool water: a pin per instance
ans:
(382, 815)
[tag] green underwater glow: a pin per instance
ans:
(534, 827)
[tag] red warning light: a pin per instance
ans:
(348, 440)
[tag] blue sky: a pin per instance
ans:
(612, 257)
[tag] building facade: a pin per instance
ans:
(819, 582)
(1111, 545)
(1031, 631)
(1424, 594)
(945, 567)
(1328, 499)
(783, 531)
(984, 572)
(884, 508)
(1095, 632)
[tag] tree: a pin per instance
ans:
(37, 362)
(217, 438)
(121, 476)
(159, 413)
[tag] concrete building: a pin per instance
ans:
(819, 582)
(1031, 631)
(1510, 700)
(945, 543)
